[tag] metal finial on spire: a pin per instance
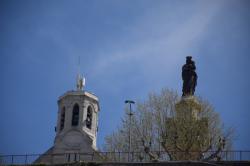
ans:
(80, 81)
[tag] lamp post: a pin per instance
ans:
(130, 115)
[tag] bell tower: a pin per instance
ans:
(77, 116)
(77, 126)
(77, 121)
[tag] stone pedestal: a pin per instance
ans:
(188, 107)
(187, 131)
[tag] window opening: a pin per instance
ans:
(75, 115)
(62, 119)
(89, 117)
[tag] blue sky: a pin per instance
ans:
(127, 49)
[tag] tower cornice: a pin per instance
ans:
(79, 93)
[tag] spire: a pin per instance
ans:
(80, 80)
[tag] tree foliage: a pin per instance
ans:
(157, 133)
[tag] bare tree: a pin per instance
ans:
(157, 133)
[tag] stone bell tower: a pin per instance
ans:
(76, 128)
(77, 119)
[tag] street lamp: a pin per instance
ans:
(130, 114)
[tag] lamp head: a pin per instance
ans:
(129, 101)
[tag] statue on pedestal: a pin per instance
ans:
(189, 77)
